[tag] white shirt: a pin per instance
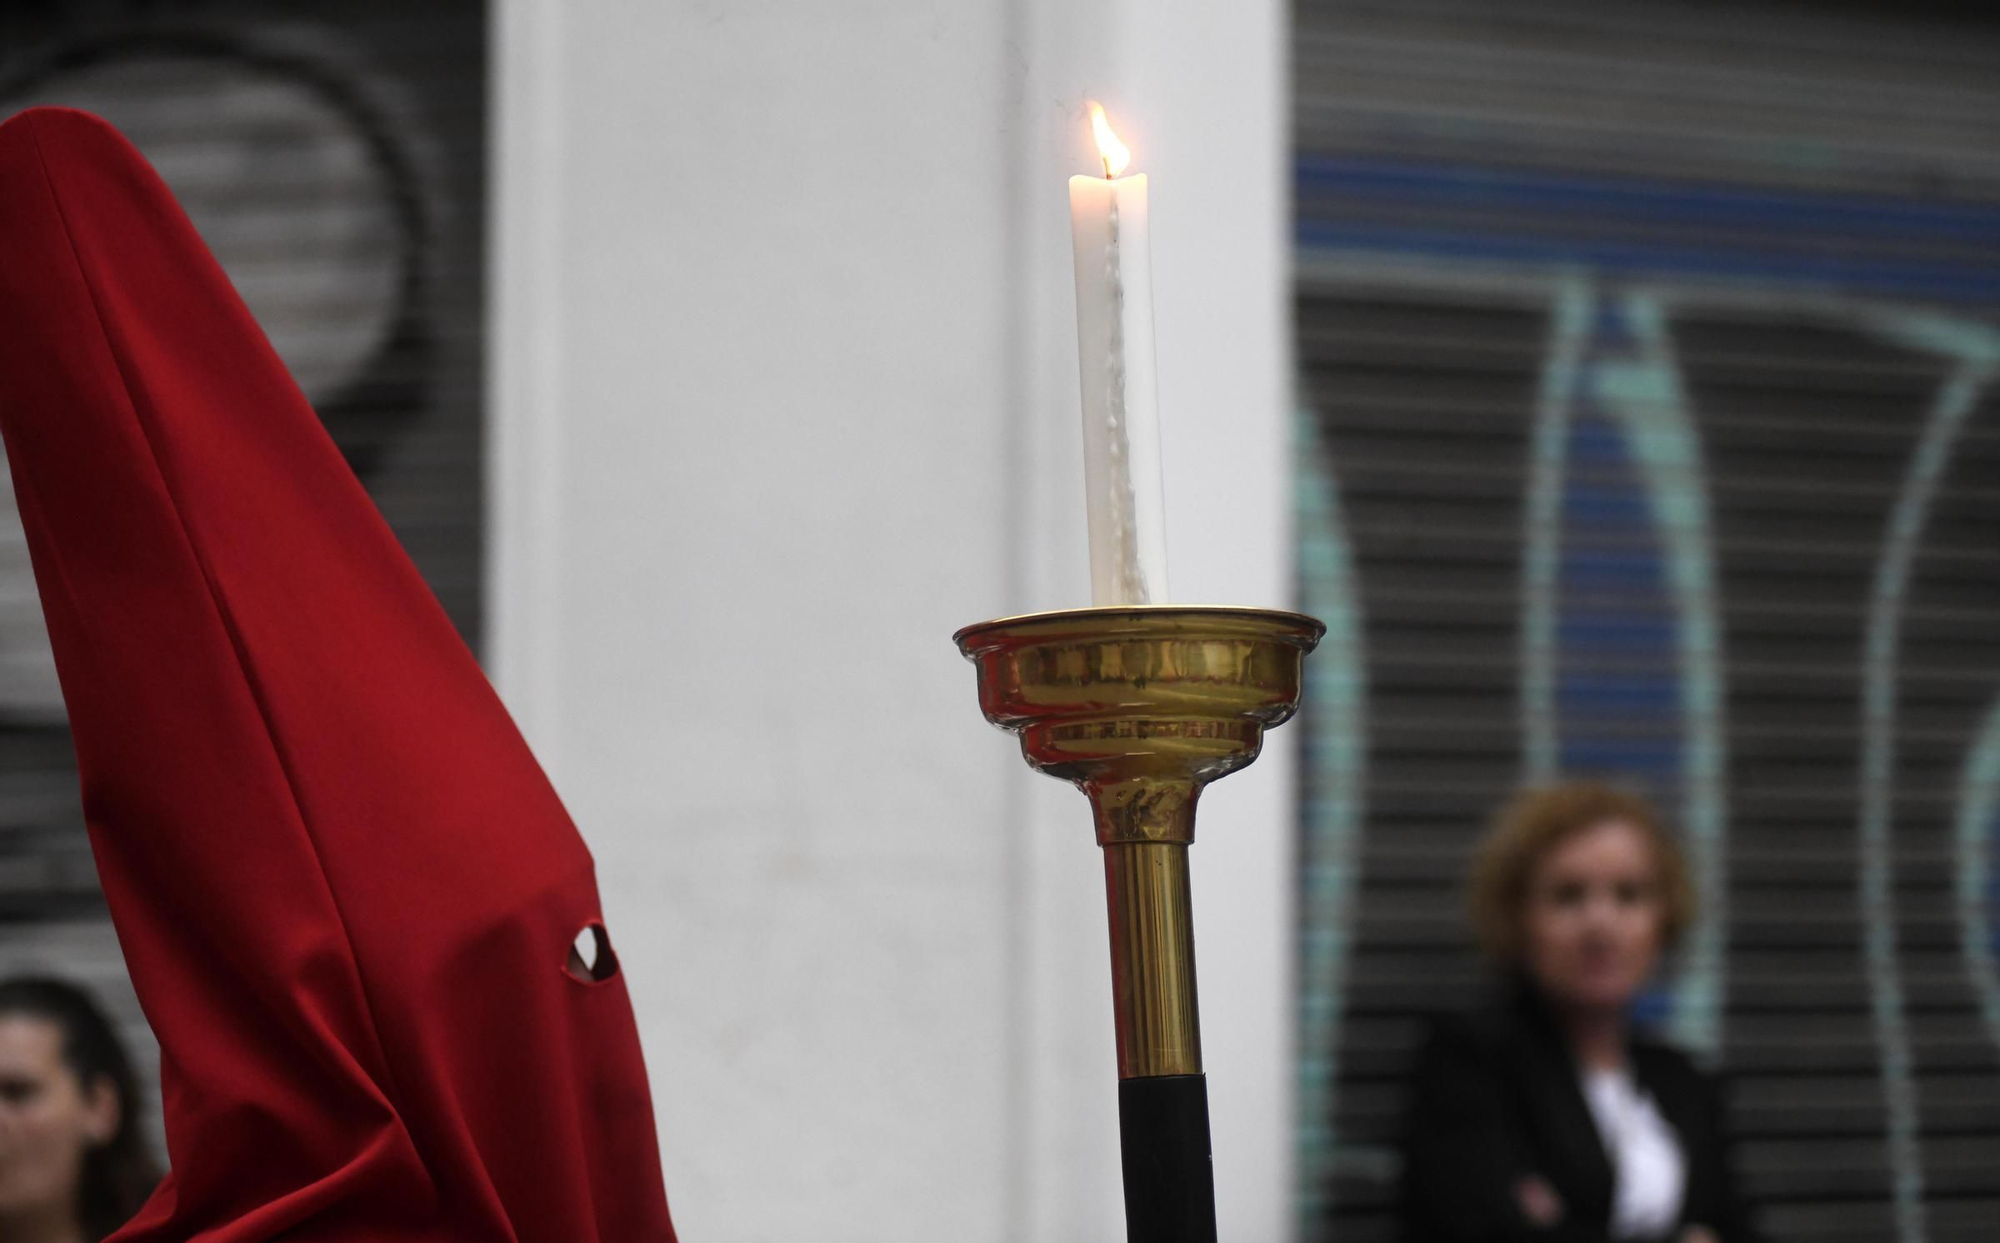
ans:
(1650, 1169)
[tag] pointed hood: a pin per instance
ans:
(344, 888)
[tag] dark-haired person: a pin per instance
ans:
(1547, 1116)
(74, 1165)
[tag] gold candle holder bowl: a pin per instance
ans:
(1140, 707)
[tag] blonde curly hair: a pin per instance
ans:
(1533, 823)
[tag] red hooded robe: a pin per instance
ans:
(345, 890)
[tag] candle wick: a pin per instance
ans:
(1107, 166)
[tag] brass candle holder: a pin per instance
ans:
(1140, 707)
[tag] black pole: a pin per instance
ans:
(1169, 1182)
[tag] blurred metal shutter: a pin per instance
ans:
(1790, 218)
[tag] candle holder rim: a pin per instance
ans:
(1312, 627)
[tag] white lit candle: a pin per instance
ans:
(1121, 415)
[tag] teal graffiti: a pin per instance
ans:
(1652, 406)
(1978, 807)
(1541, 553)
(1879, 664)
(1334, 712)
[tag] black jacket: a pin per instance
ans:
(1495, 1098)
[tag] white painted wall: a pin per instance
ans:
(784, 392)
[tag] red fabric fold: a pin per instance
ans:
(344, 888)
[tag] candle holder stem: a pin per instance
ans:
(1152, 959)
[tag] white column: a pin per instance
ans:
(784, 390)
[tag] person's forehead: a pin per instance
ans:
(1613, 841)
(29, 1045)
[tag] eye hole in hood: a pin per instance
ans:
(590, 958)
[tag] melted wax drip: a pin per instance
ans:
(1125, 539)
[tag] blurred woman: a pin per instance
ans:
(73, 1162)
(1548, 1116)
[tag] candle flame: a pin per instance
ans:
(1115, 154)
